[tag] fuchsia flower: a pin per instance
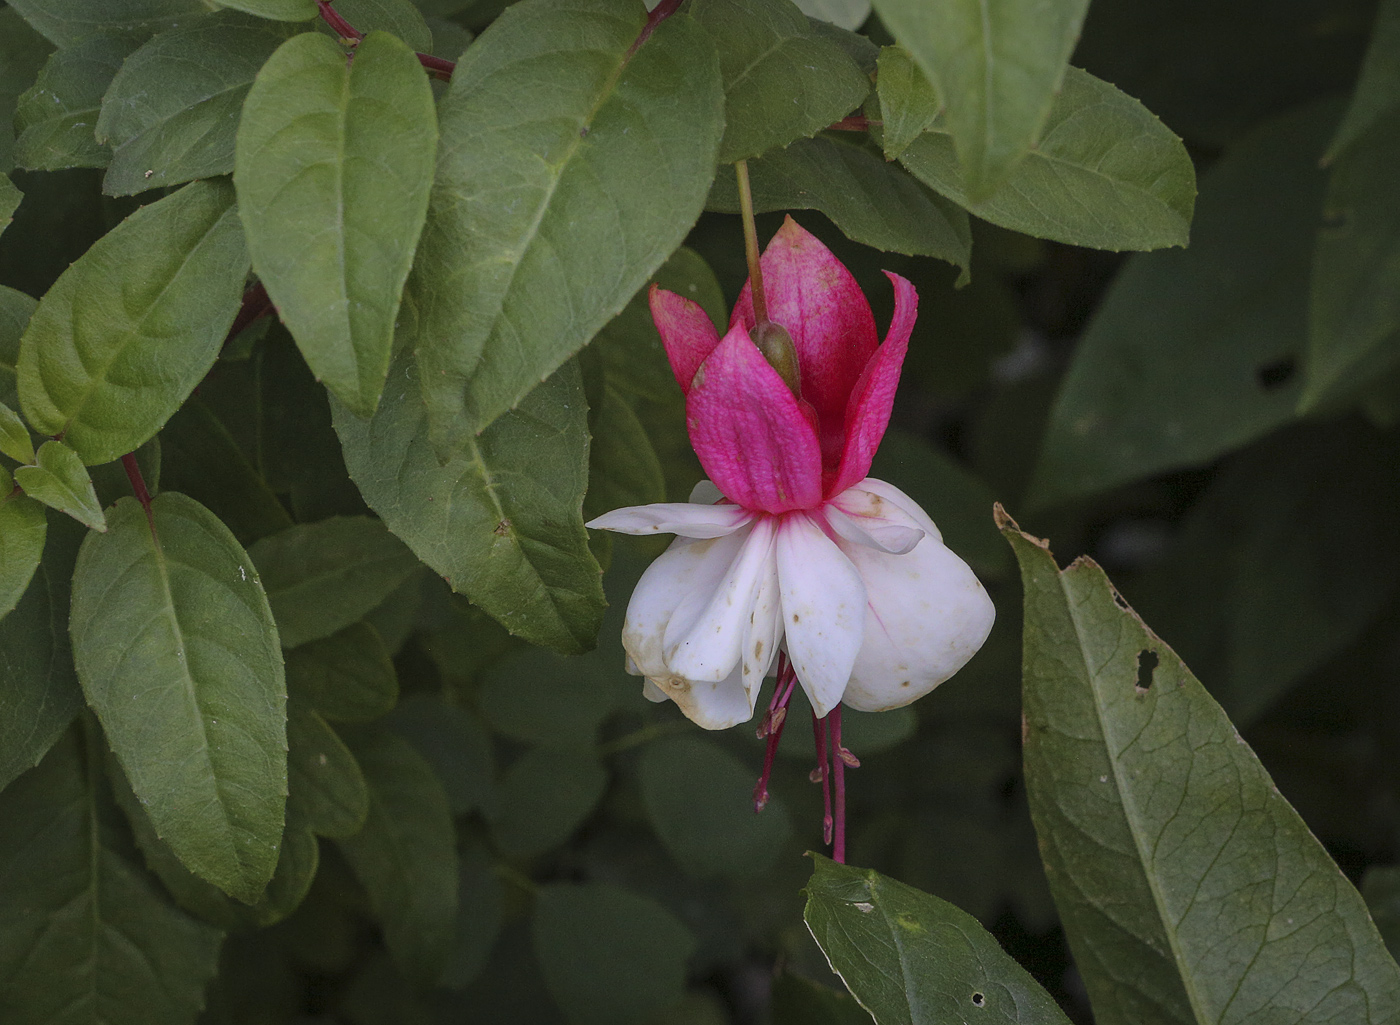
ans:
(792, 546)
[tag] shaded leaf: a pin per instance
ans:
(347, 676)
(998, 69)
(480, 900)
(325, 789)
(23, 526)
(15, 441)
(178, 656)
(405, 857)
(1190, 890)
(39, 692)
(278, 10)
(544, 796)
(22, 55)
(10, 198)
(908, 101)
(1105, 173)
(56, 119)
(872, 202)
(908, 957)
(401, 17)
(127, 332)
(796, 1001)
(623, 468)
(501, 519)
(171, 112)
(699, 799)
(333, 170)
(557, 195)
(68, 22)
(1192, 354)
(84, 936)
(1355, 312)
(847, 14)
(60, 481)
(15, 310)
(782, 79)
(609, 956)
(322, 577)
(1381, 888)
(457, 746)
(1377, 93)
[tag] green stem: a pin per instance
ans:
(760, 303)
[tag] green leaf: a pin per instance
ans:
(1265, 582)
(608, 956)
(406, 857)
(277, 10)
(22, 55)
(172, 111)
(1378, 91)
(457, 746)
(10, 198)
(39, 692)
(797, 1001)
(347, 676)
(847, 14)
(908, 102)
(333, 170)
(84, 936)
(623, 468)
(479, 913)
(909, 957)
(127, 332)
(322, 577)
(23, 526)
(1192, 354)
(501, 519)
(998, 69)
(569, 169)
(15, 310)
(699, 798)
(544, 796)
(872, 202)
(782, 80)
(15, 441)
(325, 788)
(69, 22)
(1190, 890)
(1105, 173)
(177, 653)
(399, 17)
(1381, 888)
(1355, 311)
(60, 481)
(56, 118)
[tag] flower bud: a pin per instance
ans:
(777, 348)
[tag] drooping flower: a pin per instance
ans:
(790, 547)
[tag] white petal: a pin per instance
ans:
(712, 705)
(683, 518)
(863, 517)
(823, 603)
(760, 645)
(653, 693)
(705, 637)
(705, 493)
(926, 615)
(898, 502)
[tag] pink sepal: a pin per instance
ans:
(815, 297)
(752, 438)
(686, 331)
(868, 413)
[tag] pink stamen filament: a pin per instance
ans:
(838, 765)
(822, 774)
(772, 726)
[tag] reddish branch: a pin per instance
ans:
(138, 486)
(256, 304)
(853, 123)
(658, 14)
(435, 66)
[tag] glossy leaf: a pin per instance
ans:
(544, 797)
(699, 799)
(84, 935)
(22, 530)
(998, 69)
(405, 857)
(59, 480)
(127, 332)
(1378, 91)
(333, 170)
(1190, 890)
(67, 22)
(872, 202)
(557, 195)
(347, 676)
(325, 788)
(501, 519)
(39, 692)
(609, 956)
(908, 102)
(171, 112)
(278, 10)
(178, 656)
(908, 957)
(322, 577)
(1355, 311)
(1192, 354)
(15, 441)
(782, 80)
(1104, 173)
(56, 119)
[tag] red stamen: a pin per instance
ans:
(772, 727)
(823, 775)
(838, 764)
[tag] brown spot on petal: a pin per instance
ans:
(757, 646)
(795, 618)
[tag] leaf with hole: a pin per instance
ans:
(129, 329)
(177, 653)
(569, 168)
(1105, 173)
(501, 520)
(322, 577)
(59, 480)
(333, 169)
(1190, 890)
(56, 119)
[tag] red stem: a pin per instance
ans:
(437, 67)
(658, 14)
(341, 27)
(838, 769)
(256, 304)
(852, 123)
(822, 774)
(138, 486)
